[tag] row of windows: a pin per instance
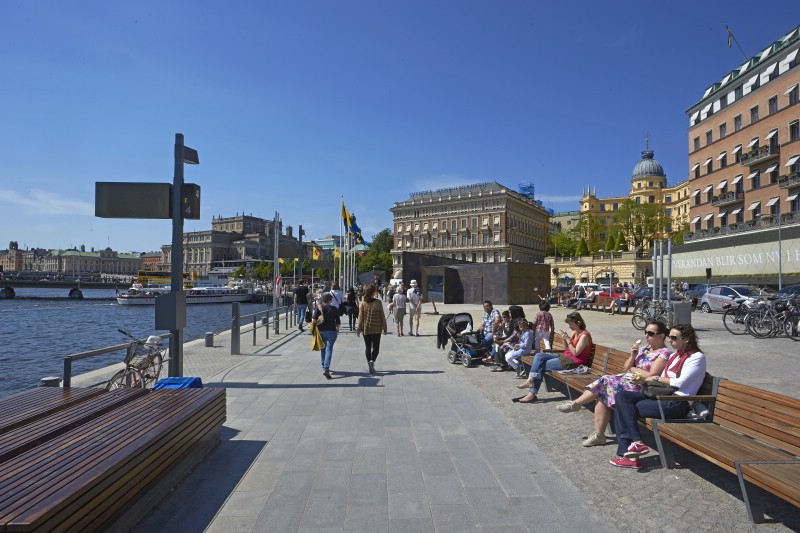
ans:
(737, 216)
(434, 225)
(435, 242)
(793, 96)
(450, 208)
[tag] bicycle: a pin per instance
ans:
(735, 316)
(143, 363)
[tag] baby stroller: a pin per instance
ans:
(464, 344)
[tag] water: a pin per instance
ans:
(41, 326)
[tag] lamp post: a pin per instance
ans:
(780, 251)
(610, 268)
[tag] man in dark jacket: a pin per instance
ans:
(301, 302)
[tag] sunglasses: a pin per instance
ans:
(650, 333)
(674, 338)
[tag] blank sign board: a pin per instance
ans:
(132, 200)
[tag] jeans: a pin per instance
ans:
(582, 301)
(488, 343)
(632, 405)
(543, 362)
(372, 345)
(329, 337)
(301, 314)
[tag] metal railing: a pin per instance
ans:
(290, 318)
(763, 222)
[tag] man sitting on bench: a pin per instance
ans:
(589, 298)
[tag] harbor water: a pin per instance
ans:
(41, 326)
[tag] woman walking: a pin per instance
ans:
(371, 322)
(352, 308)
(326, 317)
(399, 306)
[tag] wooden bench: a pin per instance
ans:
(93, 472)
(600, 303)
(558, 347)
(25, 407)
(753, 433)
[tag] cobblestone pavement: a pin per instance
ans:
(428, 446)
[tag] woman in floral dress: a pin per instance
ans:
(643, 362)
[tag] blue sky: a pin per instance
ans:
(291, 105)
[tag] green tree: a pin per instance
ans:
(378, 256)
(583, 248)
(611, 243)
(622, 244)
(641, 222)
(241, 272)
(589, 228)
(263, 270)
(562, 243)
(677, 236)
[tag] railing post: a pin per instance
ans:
(287, 319)
(275, 321)
(255, 326)
(265, 323)
(67, 372)
(235, 349)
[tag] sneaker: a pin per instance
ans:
(624, 462)
(569, 407)
(637, 449)
(595, 439)
(371, 367)
(327, 375)
(497, 368)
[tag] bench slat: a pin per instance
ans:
(783, 480)
(31, 405)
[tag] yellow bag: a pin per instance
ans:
(317, 344)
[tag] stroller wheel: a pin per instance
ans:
(466, 360)
(452, 357)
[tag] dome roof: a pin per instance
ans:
(648, 166)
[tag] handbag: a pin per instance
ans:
(308, 314)
(652, 389)
(317, 343)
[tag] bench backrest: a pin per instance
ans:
(615, 361)
(760, 414)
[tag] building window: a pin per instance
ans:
(738, 92)
(723, 102)
(454, 242)
(794, 129)
(463, 240)
(794, 95)
(696, 143)
(425, 242)
(435, 224)
(737, 122)
(773, 142)
(773, 176)
(474, 239)
(709, 167)
(485, 221)
(697, 171)
(723, 130)
(474, 223)
(615, 206)
(453, 224)
(496, 237)
(710, 224)
(756, 180)
(463, 223)
(485, 238)
(708, 137)
(651, 199)
(497, 220)
(753, 115)
(668, 211)
(602, 207)
(416, 243)
(773, 105)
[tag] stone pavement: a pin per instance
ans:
(428, 446)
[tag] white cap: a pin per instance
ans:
(153, 340)
(413, 283)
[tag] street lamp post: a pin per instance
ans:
(780, 251)
(610, 267)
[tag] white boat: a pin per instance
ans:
(217, 294)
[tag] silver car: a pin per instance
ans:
(716, 297)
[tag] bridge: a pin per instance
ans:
(73, 288)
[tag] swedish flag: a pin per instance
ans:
(730, 35)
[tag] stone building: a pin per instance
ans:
(479, 223)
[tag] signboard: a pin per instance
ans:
(143, 200)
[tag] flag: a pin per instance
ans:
(345, 217)
(280, 260)
(315, 253)
(335, 252)
(730, 35)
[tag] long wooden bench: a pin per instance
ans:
(559, 347)
(95, 472)
(28, 406)
(753, 433)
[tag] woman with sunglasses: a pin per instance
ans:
(577, 352)
(685, 369)
(643, 363)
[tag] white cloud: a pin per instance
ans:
(46, 203)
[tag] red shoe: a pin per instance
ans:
(624, 462)
(637, 449)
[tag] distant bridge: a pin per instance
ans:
(73, 287)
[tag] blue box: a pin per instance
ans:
(178, 383)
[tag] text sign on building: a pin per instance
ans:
(143, 200)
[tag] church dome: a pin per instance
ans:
(648, 166)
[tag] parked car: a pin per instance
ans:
(647, 293)
(616, 291)
(791, 290)
(716, 297)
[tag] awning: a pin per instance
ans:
(708, 216)
(753, 206)
(722, 214)
(694, 116)
(737, 150)
(753, 143)
(708, 189)
(792, 88)
(736, 211)
(793, 197)
(695, 193)
(784, 65)
(767, 73)
(695, 167)
(723, 154)
(748, 85)
(725, 80)
(792, 160)
(752, 175)
(771, 169)
(737, 179)
(773, 201)
(722, 184)
(708, 161)
(744, 67)
(765, 53)
(694, 220)
(772, 134)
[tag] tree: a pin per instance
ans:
(378, 256)
(589, 228)
(677, 236)
(263, 270)
(583, 248)
(622, 244)
(562, 243)
(241, 272)
(641, 222)
(610, 243)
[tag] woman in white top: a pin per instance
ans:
(399, 306)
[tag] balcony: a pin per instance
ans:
(762, 222)
(730, 197)
(792, 180)
(760, 154)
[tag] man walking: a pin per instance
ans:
(301, 303)
(414, 298)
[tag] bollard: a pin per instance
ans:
(265, 323)
(255, 327)
(236, 319)
(209, 339)
(51, 381)
(276, 323)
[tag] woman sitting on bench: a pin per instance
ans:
(619, 302)
(686, 369)
(643, 363)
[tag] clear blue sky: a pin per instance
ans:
(293, 104)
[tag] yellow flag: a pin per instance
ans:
(335, 251)
(280, 260)
(315, 253)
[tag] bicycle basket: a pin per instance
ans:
(139, 355)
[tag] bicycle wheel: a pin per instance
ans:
(760, 325)
(127, 378)
(791, 327)
(638, 320)
(733, 319)
(153, 369)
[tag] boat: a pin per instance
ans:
(222, 294)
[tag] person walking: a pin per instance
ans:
(414, 298)
(326, 317)
(398, 305)
(301, 303)
(352, 308)
(371, 323)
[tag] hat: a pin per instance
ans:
(153, 341)
(413, 283)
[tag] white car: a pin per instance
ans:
(716, 297)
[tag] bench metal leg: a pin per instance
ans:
(666, 452)
(752, 501)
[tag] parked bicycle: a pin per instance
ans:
(652, 310)
(143, 363)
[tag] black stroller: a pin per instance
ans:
(464, 344)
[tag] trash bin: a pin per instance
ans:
(209, 340)
(683, 312)
(179, 383)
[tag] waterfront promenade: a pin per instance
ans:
(428, 446)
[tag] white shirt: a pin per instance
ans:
(413, 298)
(692, 375)
(338, 298)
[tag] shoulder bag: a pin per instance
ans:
(652, 389)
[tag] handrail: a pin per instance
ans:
(236, 321)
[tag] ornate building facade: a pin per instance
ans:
(480, 223)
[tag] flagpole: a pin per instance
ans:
(732, 38)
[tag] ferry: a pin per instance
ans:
(215, 294)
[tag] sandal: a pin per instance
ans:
(525, 385)
(532, 400)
